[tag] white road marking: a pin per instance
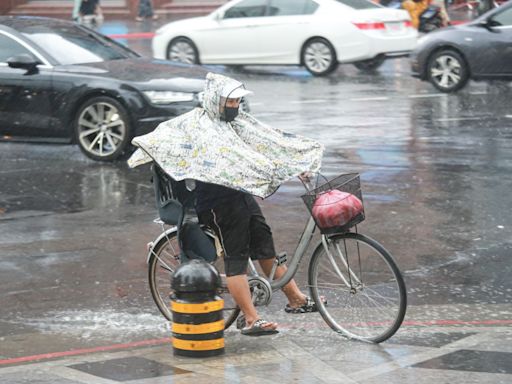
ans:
(309, 101)
(370, 99)
(427, 95)
(478, 93)
(462, 118)
(508, 116)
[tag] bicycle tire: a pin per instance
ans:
(342, 300)
(159, 277)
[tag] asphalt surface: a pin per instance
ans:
(435, 176)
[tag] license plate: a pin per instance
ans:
(394, 27)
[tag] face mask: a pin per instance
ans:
(229, 114)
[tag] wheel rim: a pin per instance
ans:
(183, 52)
(371, 309)
(446, 71)
(101, 130)
(167, 260)
(318, 57)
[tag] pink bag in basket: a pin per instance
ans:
(335, 208)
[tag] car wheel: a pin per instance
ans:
(318, 57)
(182, 50)
(371, 64)
(447, 71)
(102, 128)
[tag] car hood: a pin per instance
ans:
(183, 24)
(145, 74)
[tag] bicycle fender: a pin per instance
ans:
(152, 244)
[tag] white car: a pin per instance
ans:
(317, 34)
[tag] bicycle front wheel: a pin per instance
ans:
(164, 259)
(362, 285)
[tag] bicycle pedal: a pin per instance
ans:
(281, 258)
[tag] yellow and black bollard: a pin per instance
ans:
(197, 319)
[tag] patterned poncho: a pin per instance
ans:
(245, 154)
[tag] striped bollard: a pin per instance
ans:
(197, 318)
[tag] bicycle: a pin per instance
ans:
(364, 290)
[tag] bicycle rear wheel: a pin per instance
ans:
(364, 289)
(164, 260)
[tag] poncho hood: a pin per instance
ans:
(245, 154)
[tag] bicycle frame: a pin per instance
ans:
(300, 251)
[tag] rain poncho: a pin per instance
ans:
(245, 154)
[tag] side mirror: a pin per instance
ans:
(218, 15)
(489, 24)
(23, 61)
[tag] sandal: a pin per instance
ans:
(258, 329)
(307, 307)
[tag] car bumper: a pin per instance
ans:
(156, 115)
(394, 46)
(418, 65)
(415, 68)
(370, 45)
(159, 47)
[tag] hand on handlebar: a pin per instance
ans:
(305, 177)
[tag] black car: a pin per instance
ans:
(60, 81)
(479, 50)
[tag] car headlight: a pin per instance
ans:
(168, 97)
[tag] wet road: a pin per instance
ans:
(435, 176)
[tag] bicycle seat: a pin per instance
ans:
(175, 204)
(195, 243)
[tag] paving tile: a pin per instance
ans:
(130, 368)
(437, 376)
(33, 377)
(428, 339)
(186, 378)
(287, 371)
(499, 342)
(470, 360)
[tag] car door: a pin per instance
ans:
(286, 26)
(502, 29)
(25, 99)
(235, 39)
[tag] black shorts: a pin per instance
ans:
(242, 231)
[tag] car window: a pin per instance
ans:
(503, 18)
(291, 7)
(247, 8)
(70, 44)
(358, 4)
(10, 48)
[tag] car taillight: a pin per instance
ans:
(367, 26)
(408, 24)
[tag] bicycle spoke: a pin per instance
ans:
(370, 311)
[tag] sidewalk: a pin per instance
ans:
(306, 351)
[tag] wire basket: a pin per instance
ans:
(336, 205)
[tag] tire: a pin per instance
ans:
(162, 263)
(372, 307)
(182, 50)
(447, 70)
(370, 65)
(318, 57)
(102, 128)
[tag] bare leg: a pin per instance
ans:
(295, 297)
(239, 290)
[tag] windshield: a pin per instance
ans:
(358, 4)
(70, 44)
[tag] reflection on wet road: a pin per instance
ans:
(436, 179)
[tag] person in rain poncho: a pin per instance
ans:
(232, 156)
